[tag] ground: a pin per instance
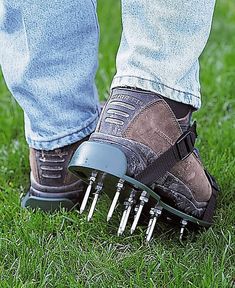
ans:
(63, 250)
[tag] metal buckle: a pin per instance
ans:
(185, 145)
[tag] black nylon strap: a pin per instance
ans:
(208, 215)
(182, 148)
(210, 209)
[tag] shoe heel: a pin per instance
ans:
(101, 157)
(46, 204)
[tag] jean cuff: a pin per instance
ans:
(65, 140)
(159, 88)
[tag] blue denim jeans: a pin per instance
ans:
(48, 55)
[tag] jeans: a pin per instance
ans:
(49, 51)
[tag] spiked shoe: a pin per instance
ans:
(142, 153)
(52, 185)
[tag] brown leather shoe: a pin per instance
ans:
(52, 185)
(141, 129)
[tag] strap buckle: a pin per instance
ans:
(185, 144)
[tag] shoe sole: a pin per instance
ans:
(46, 204)
(52, 199)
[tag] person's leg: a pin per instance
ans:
(160, 46)
(147, 117)
(48, 55)
(49, 59)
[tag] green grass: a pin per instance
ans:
(63, 250)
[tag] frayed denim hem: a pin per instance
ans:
(157, 87)
(65, 140)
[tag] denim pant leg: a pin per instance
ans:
(48, 55)
(160, 46)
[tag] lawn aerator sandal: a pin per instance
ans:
(142, 155)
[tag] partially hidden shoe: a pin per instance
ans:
(52, 186)
(142, 153)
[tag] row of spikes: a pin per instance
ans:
(155, 212)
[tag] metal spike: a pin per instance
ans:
(128, 205)
(96, 196)
(183, 225)
(151, 212)
(115, 199)
(113, 205)
(92, 209)
(128, 211)
(88, 192)
(151, 228)
(149, 225)
(155, 213)
(144, 197)
(120, 230)
(137, 217)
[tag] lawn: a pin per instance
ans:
(63, 250)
